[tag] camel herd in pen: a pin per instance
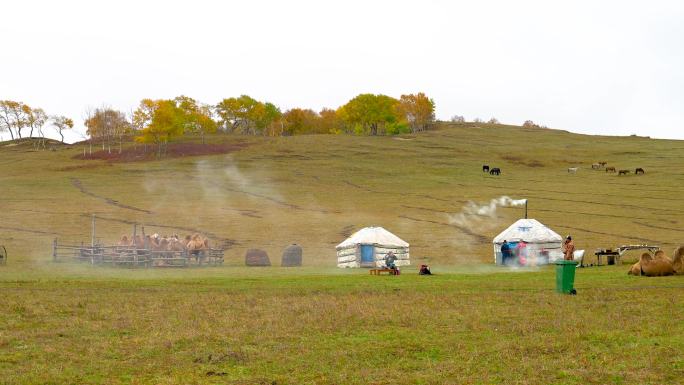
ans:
(193, 245)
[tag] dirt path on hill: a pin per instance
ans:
(79, 185)
(396, 192)
(479, 237)
(22, 230)
(608, 234)
(660, 227)
(267, 198)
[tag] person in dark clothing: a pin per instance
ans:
(424, 270)
(390, 261)
(505, 253)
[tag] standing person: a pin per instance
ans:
(568, 249)
(521, 250)
(505, 253)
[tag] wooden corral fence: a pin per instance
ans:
(130, 256)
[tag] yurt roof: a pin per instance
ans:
(372, 236)
(528, 230)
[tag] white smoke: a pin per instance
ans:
(479, 214)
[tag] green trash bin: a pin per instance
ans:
(565, 277)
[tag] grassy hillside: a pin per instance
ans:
(315, 190)
(472, 323)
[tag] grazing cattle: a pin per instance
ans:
(573, 170)
(595, 166)
(623, 172)
(495, 171)
(485, 168)
(639, 170)
(610, 169)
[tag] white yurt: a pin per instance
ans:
(368, 248)
(543, 244)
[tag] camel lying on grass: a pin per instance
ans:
(659, 265)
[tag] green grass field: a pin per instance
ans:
(472, 323)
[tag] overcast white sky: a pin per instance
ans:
(600, 67)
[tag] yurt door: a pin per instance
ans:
(367, 255)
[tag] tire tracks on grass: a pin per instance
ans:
(39, 232)
(79, 185)
(479, 237)
(658, 227)
(266, 197)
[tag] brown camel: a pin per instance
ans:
(650, 266)
(197, 245)
(124, 241)
(678, 260)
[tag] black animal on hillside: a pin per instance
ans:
(485, 168)
(623, 172)
(639, 170)
(610, 169)
(495, 171)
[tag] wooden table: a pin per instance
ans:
(384, 270)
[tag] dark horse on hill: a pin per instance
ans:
(485, 168)
(639, 170)
(495, 171)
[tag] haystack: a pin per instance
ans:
(292, 256)
(257, 257)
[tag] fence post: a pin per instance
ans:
(92, 233)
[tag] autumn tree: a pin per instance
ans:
(6, 119)
(106, 124)
(330, 122)
(196, 117)
(368, 113)
(246, 115)
(61, 123)
(300, 121)
(234, 113)
(418, 110)
(12, 117)
(530, 124)
(158, 121)
(36, 119)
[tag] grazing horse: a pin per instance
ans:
(623, 172)
(595, 166)
(603, 164)
(485, 168)
(610, 169)
(638, 171)
(573, 170)
(495, 171)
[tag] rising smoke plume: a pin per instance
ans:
(479, 215)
